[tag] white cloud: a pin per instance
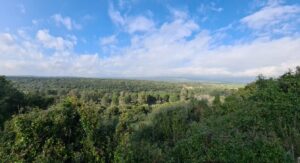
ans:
(178, 14)
(115, 16)
(179, 47)
(204, 8)
(108, 40)
(6, 38)
(140, 24)
(274, 2)
(57, 43)
(195, 58)
(131, 24)
(169, 51)
(67, 22)
(154, 55)
(274, 17)
(269, 57)
(26, 57)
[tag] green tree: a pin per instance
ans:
(184, 94)
(174, 97)
(105, 100)
(142, 98)
(11, 100)
(115, 99)
(150, 99)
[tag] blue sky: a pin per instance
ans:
(204, 39)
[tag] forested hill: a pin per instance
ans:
(257, 123)
(34, 83)
(68, 83)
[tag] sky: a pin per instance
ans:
(233, 40)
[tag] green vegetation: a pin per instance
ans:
(97, 120)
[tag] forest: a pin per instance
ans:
(116, 120)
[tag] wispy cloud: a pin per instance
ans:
(273, 18)
(108, 40)
(115, 15)
(205, 8)
(140, 24)
(6, 38)
(58, 43)
(67, 22)
(130, 24)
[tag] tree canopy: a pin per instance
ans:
(257, 123)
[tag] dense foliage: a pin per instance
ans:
(10, 100)
(156, 122)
